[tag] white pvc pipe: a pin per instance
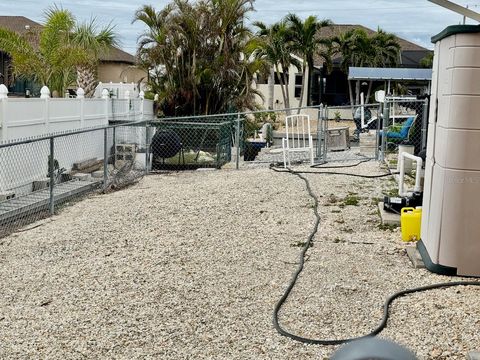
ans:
(362, 102)
(419, 162)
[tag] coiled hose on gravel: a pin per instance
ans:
(383, 322)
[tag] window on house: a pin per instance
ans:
(277, 78)
(298, 85)
(262, 79)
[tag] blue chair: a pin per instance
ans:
(403, 134)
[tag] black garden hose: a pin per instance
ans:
(383, 323)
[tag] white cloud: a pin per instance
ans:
(413, 20)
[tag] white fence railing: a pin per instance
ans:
(25, 118)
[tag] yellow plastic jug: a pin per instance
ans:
(411, 222)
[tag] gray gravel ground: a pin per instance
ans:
(190, 265)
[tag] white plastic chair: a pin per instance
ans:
(297, 137)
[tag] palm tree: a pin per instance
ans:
(275, 45)
(359, 49)
(92, 43)
(387, 52)
(343, 45)
(199, 55)
(51, 55)
(306, 44)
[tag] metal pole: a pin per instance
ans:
(319, 132)
(425, 124)
(51, 171)
(385, 120)
(105, 158)
(147, 148)
(114, 155)
(237, 143)
(377, 137)
(325, 134)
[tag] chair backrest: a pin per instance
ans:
(407, 125)
(297, 131)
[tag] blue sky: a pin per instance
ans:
(414, 20)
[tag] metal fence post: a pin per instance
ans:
(237, 143)
(385, 120)
(105, 158)
(114, 142)
(325, 133)
(147, 149)
(377, 137)
(319, 132)
(425, 124)
(51, 174)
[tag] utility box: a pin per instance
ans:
(338, 138)
(450, 237)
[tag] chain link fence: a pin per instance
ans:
(190, 143)
(261, 134)
(40, 175)
(405, 128)
(349, 132)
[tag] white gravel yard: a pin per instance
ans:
(190, 265)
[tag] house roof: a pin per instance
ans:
(19, 24)
(411, 52)
(22, 25)
(117, 55)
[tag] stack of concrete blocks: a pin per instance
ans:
(367, 143)
(124, 153)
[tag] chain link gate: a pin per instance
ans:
(405, 128)
(347, 133)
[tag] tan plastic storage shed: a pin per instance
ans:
(450, 242)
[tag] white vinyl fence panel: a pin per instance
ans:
(26, 118)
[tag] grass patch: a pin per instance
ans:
(386, 227)
(351, 200)
(392, 192)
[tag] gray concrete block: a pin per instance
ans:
(41, 184)
(81, 177)
(388, 218)
(415, 257)
(97, 174)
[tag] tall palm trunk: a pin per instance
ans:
(87, 78)
(284, 94)
(302, 91)
(287, 92)
(350, 93)
(357, 92)
(369, 92)
(271, 88)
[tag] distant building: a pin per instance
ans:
(115, 66)
(332, 87)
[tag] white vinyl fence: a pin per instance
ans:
(26, 118)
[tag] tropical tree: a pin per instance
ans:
(91, 43)
(51, 55)
(275, 45)
(427, 61)
(306, 44)
(198, 55)
(359, 49)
